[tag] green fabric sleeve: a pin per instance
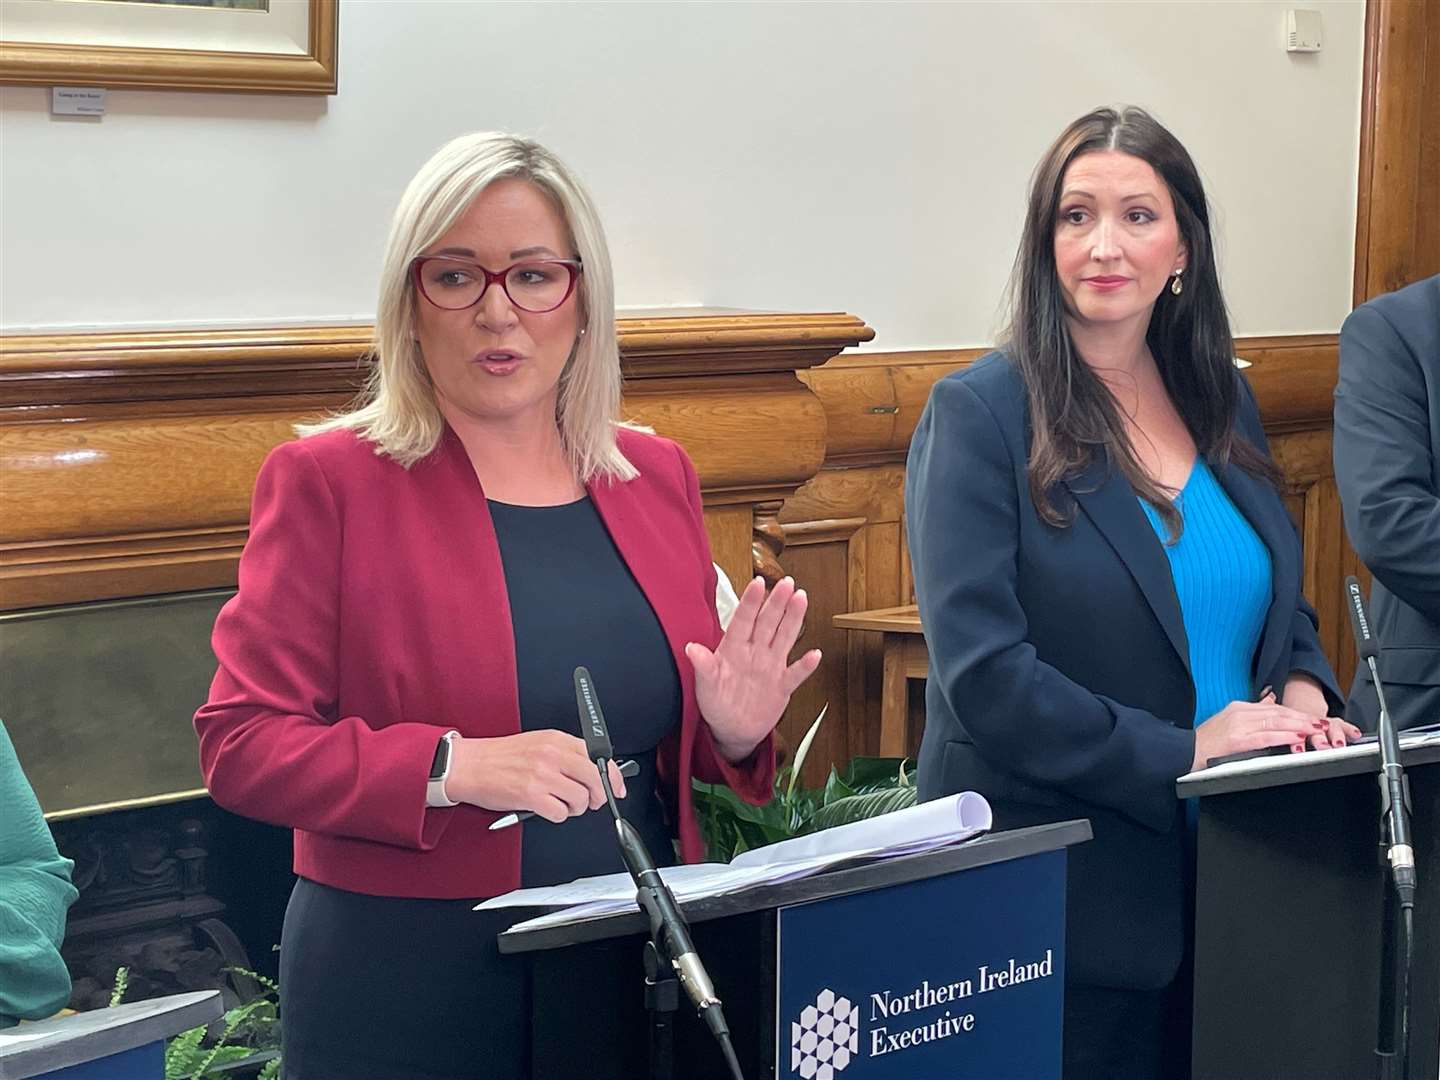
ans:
(35, 892)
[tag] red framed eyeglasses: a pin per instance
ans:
(535, 285)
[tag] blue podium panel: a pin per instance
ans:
(960, 976)
(141, 1063)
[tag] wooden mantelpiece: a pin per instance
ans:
(127, 459)
(126, 463)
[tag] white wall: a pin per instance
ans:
(864, 157)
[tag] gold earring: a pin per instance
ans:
(1177, 286)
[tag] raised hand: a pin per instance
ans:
(744, 685)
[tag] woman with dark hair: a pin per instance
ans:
(1107, 576)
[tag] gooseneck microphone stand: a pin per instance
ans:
(1392, 1043)
(669, 948)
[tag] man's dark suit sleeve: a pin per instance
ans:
(1382, 460)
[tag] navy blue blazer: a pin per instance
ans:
(1059, 679)
(1387, 464)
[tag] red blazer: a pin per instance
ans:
(372, 617)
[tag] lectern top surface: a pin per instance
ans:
(35, 1049)
(1415, 750)
(878, 874)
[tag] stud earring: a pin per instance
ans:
(1177, 286)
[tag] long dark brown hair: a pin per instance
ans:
(1073, 414)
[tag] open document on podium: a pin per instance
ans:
(934, 824)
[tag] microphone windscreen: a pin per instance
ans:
(592, 720)
(1365, 644)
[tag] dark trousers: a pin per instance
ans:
(385, 988)
(1127, 1034)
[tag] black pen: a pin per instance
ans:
(628, 769)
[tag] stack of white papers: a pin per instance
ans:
(949, 820)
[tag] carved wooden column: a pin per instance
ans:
(769, 540)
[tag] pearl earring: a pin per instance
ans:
(1177, 286)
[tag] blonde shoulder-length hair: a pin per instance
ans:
(397, 410)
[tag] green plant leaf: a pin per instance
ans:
(726, 801)
(725, 818)
(835, 789)
(183, 1054)
(218, 1058)
(861, 807)
(122, 981)
(874, 773)
(268, 983)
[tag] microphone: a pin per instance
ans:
(1392, 1043)
(1365, 642)
(1394, 785)
(668, 929)
(592, 720)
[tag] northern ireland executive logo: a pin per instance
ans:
(827, 1037)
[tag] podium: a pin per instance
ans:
(126, 1042)
(947, 963)
(1288, 907)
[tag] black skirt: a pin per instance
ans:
(389, 988)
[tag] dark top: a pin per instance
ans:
(1387, 465)
(574, 602)
(1060, 683)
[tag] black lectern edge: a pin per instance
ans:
(980, 851)
(36, 1058)
(1309, 766)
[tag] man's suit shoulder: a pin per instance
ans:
(1411, 313)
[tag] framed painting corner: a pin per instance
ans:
(59, 46)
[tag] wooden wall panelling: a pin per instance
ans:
(1397, 233)
(1294, 380)
(872, 494)
(127, 460)
(732, 538)
(828, 558)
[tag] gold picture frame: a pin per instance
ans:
(85, 63)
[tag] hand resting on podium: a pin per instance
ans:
(1264, 726)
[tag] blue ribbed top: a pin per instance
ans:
(1222, 578)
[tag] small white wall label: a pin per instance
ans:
(77, 101)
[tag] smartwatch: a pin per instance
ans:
(440, 770)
